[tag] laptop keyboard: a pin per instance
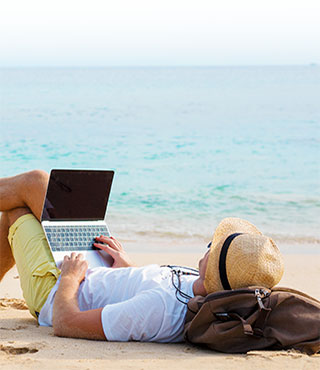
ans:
(74, 238)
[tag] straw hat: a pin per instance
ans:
(251, 258)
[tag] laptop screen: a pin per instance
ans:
(77, 195)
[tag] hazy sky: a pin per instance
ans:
(162, 32)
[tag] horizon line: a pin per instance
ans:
(311, 64)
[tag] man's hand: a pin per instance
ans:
(115, 250)
(74, 267)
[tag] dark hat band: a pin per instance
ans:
(222, 261)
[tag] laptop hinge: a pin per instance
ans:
(67, 223)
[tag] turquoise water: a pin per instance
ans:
(189, 145)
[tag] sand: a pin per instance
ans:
(24, 344)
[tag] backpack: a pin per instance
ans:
(253, 318)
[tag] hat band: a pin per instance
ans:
(222, 261)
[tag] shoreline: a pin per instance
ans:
(149, 244)
(164, 233)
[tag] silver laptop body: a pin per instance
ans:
(73, 213)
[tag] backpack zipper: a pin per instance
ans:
(225, 293)
(259, 297)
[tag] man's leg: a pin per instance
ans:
(25, 190)
(35, 264)
(18, 196)
(7, 219)
(21, 201)
(6, 257)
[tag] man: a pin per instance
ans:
(123, 302)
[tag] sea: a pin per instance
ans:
(189, 146)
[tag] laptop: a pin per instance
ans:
(73, 214)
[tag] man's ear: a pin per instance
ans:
(198, 287)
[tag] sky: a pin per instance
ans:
(159, 33)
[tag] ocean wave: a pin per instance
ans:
(170, 234)
(295, 239)
(204, 237)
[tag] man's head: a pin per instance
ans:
(240, 256)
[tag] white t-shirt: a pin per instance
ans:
(138, 303)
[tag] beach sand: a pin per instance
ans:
(24, 344)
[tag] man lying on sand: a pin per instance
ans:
(124, 302)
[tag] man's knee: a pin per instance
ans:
(16, 213)
(39, 177)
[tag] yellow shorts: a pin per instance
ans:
(37, 269)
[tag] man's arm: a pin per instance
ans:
(68, 320)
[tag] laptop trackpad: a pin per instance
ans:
(94, 258)
(107, 260)
(98, 258)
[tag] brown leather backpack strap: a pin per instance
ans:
(265, 310)
(294, 291)
(261, 322)
(247, 328)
